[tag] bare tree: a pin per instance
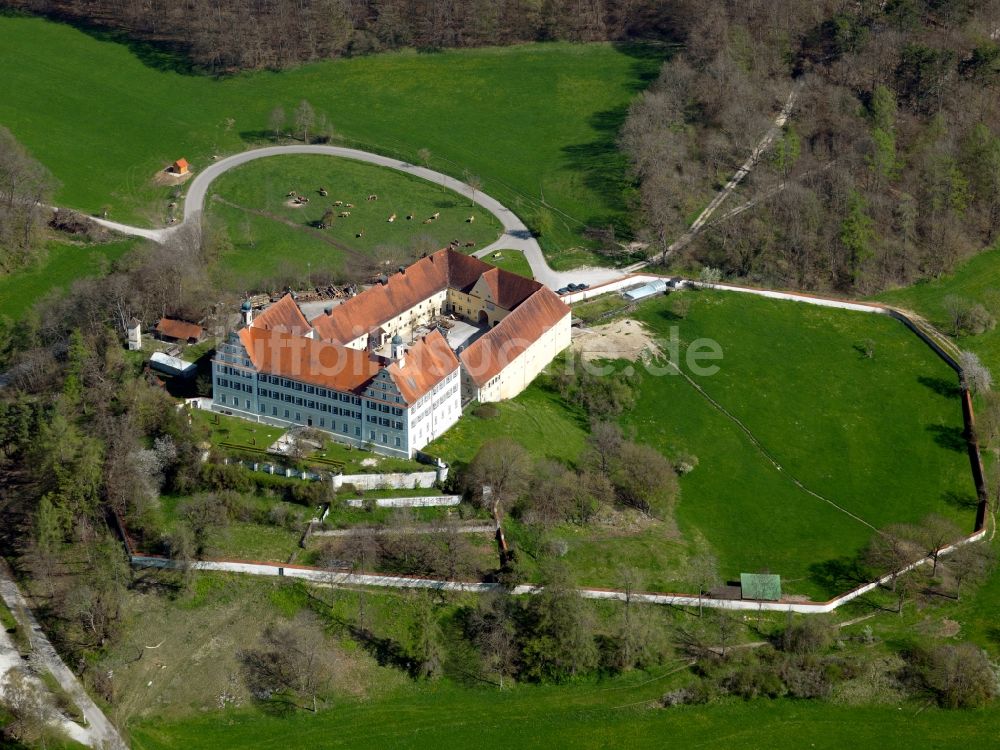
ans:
(276, 121)
(970, 563)
(499, 474)
(492, 625)
(935, 532)
(702, 572)
(604, 443)
(290, 661)
(305, 118)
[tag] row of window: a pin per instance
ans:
(225, 383)
(226, 370)
(385, 422)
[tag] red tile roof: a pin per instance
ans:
(490, 353)
(180, 165)
(426, 364)
(321, 363)
(179, 329)
(373, 307)
(283, 315)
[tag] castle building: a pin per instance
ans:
(392, 366)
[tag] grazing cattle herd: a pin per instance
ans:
(332, 214)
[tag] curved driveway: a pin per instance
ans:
(516, 235)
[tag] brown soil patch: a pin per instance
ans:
(163, 178)
(292, 203)
(622, 339)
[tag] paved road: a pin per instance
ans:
(99, 732)
(515, 236)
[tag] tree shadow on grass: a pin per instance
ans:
(960, 500)
(950, 438)
(162, 56)
(941, 386)
(839, 575)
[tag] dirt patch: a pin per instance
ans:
(292, 203)
(163, 178)
(622, 339)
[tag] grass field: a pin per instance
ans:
(611, 714)
(535, 122)
(537, 418)
(880, 437)
(511, 260)
(64, 263)
(270, 237)
(233, 431)
(976, 280)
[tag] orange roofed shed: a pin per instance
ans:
(180, 166)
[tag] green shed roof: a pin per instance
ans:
(760, 586)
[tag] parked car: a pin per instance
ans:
(564, 290)
(581, 287)
(573, 287)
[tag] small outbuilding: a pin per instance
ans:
(172, 365)
(760, 587)
(134, 331)
(170, 329)
(657, 286)
(180, 166)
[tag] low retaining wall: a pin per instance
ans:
(335, 578)
(430, 501)
(397, 481)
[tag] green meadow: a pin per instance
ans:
(537, 123)
(271, 235)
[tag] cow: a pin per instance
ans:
(391, 218)
(372, 197)
(344, 214)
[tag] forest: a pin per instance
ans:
(888, 170)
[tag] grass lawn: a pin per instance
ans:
(246, 540)
(537, 418)
(270, 237)
(591, 310)
(880, 437)
(536, 122)
(65, 262)
(358, 461)
(613, 713)
(976, 280)
(511, 260)
(234, 431)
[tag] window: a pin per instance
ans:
(310, 389)
(298, 417)
(398, 442)
(322, 422)
(286, 413)
(357, 431)
(345, 428)
(222, 398)
(263, 408)
(385, 439)
(274, 411)
(371, 434)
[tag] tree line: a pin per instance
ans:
(245, 34)
(888, 170)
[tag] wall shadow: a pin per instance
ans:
(941, 386)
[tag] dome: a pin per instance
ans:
(246, 306)
(397, 339)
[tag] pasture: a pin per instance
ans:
(975, 280)
(611, 713)
(273, 235)
(537, 123)
(63, 263)
(878, 438)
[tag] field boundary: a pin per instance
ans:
(336, 578)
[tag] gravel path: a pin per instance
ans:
(516, 236)
(99, 732)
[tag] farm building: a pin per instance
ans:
(379, 369)
(180, 166)
(760, 586)
(172, 365)
(657, 286)
(134, 331)
(171, 329)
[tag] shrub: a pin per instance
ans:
(486, 411)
